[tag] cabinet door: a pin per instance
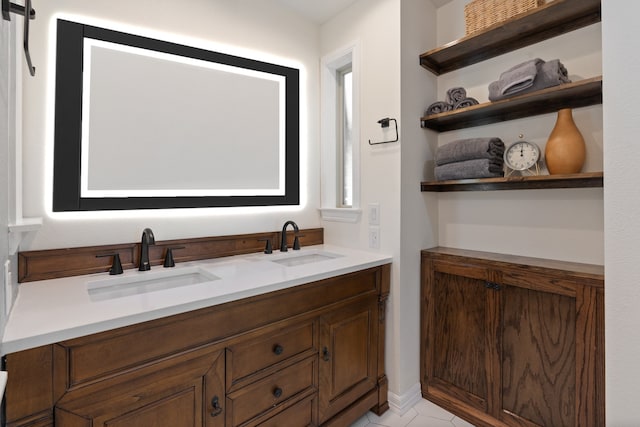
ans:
(348, 356)
(538, 360)
(457, 351)
(184, 391)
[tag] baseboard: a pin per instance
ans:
(400, 404)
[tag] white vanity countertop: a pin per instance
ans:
(54, 310)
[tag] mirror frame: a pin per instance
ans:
(68, 124)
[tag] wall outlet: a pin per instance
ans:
(374, 237)
(373, 213)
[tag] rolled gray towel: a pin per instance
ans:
(455, 95)
(438, 107)
(551, 73)
(469, 149)
(520, 77)
(476, 168)
(465, 102)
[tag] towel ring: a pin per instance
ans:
(384, 123)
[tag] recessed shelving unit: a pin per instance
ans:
(482, 407)
(569, 95)
(580, 180)
(553, 19)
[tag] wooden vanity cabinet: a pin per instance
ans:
(512, 341)
(309, 355)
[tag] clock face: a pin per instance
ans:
(521, 155)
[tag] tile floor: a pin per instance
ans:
(423, 414)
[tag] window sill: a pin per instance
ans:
(19, 230)
(340, 214)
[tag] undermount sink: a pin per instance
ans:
(146, 282)
(305, 258)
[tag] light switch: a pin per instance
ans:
(374, 213)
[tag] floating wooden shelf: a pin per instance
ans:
(550, 20)
(570, 95)
(580, 180)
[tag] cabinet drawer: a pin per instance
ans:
(258, 353)
(300, 414)
(272, 392)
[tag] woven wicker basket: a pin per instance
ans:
(480, 14)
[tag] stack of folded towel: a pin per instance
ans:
(470, 158)
(456, 98)
(528, 76)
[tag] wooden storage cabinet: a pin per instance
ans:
(259, 361)
(512, 341)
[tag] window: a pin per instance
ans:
(340, 137)
(344, 136)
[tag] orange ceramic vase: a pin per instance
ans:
(565, 151)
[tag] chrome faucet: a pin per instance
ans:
(147, 239)
(283, 237)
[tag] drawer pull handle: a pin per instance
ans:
(217, 409)
(278, 349)
(325, 354)
(277, 392)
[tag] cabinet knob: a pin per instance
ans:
(217, 409)
(492, 285)
(278, 349)
(325, 354)
(277, 392)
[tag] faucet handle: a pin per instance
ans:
(116, 266)
(296, 242)
(268, 247)
(168, 257)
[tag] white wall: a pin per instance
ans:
(261, 28)
(621, 42)
(557, 224)
(375, 26)
(419, 216)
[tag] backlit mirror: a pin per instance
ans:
(142, 123)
